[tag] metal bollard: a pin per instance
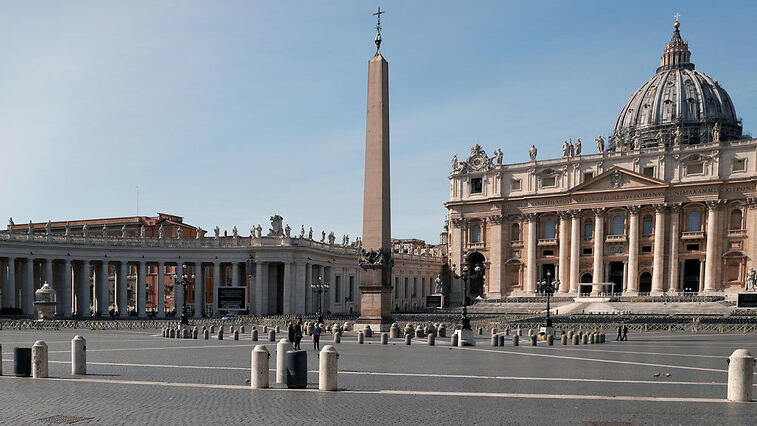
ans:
(205, 334)
(78, 355)
(533, 340)
(495, 340)
(408, 339)
(236, 334)
(39, 359)
(22, 362)
(259, 369)
(282, 347)
(254, 335)
(564, 339)
(220, 334)
(453, 339)
(740, 376)
(338, 337)
(328, 368)
(272, 335)
(501, 340)
(516, 339)
(550, 340)
(384, 338)
(431, 339)
(360, 337)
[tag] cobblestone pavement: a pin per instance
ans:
(142, 378)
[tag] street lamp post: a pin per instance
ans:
(320, 287)
(548, 288)
(466, 275)
(183, 280)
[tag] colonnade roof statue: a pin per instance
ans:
(677, 105)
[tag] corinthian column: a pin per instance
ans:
(575, 249)
(199, 289)
(531, 258)
(160, 281)
(599, 244)
(658, 263)
(141, 288)
(563, 260)
(674, 244)
(711, 256)
(495, 275)
(633, 250)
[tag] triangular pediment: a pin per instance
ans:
(616, 179)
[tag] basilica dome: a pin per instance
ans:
(677, 105)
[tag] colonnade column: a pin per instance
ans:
(121, 290)
(178, 291)
(495, 276)
(300, 287)
(9, 286)
(575, 249)
(160, 296)
(83, 309)
(49, 274)
(64, 291)
(674, 244)
(531, 257)
(633, 250)
(216, 284)
(658, 262)
(101, 289)
(308, 291)
(261, 288)
(199, 289)
(235, 274)
(141, 288)
(599, 244)
(287, 288)
(564, 268)
(711, 260)
(27, 295)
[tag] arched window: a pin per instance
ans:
(694, 221)
(618, 225)
(549, 229)
(735, 221)
(515, 232)
(647, 225)
(475, 233)
(588, 229)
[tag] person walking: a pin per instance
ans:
(317, 337)
(620, 333)
(297, 335)
(625, 333)
(290, 329)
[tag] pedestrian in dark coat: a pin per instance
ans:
(620, 333)
(291, 332)
(317, 338)
(625, 333)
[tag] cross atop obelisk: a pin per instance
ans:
(376, 258)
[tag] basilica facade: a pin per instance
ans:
(666, 205)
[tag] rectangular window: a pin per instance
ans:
(695, 169)
(588, 176)
(476, 186)
(406, 289)
(549, 253)
(415, 287)
(647, 227)
(548, 181)
(692, 247)
(588, 230)
(352, 288)
(475, 233)
(739, 165)
(396, 287)
(646, 249)
(515, 185)
(587, 250)
(648, 172)
(337, 284)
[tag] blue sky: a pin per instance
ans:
(228, 112)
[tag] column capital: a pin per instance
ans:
(530, 217)
(675, 207)
(457, 222)
(599, 211)
(634, 210)
(660, 208)
(564, 214)
(575, 213)
(495, 219)
(751, 202)
(715, 204)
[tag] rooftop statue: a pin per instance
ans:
(498, 155)
(276, 230)
(578, 146)
(532, 152)
(600, 144)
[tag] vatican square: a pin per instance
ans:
(220, 226)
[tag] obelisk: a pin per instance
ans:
(376, 258)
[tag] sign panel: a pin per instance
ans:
(747, 300)
(231, 298)
(434, 301)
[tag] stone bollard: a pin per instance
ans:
(241, 329)
(530, 332)
(220, 334)
(591, 338)
(338, 337)
(367, 331)
(78, 355)
(394, 331)
(564, 339)
(360, 337)
(384, 338)
(328, 368)
(39, 359)
(278, 329)
(453, 339)
(584, 339)
(236, 334)
(171, 333)
(442, 331)
(259, 371)
(194, 333)
(520, 332)
(265, 329)
(575, 339)
(231, 329)
(501, 338)
(212, 329)
(570, 335)
(431, 339)
(271, 335)
(480, 331)
(533, 340)
(550, 340)
(254, 335)
(187, 333)
(282, 347)
(516, 340)
(494, 331)
(601, 337)
(163, 332)
(205, 334)
(495, 340)
(432, 330)
(419, 331)
(740, 376)
(408, 339)
(178, 333)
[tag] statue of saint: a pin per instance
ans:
(68, 229)
(161, 232)
(234, 232)
(310, 233)
(637, 140)
(85, 230)
(499, 156)
(716, 132)
(142, 231)
(48, 228)
(677, 137)
(600, 144)
(578, 147)
(179, 233)
(323, 236)
(31, 228)
(532, 152)
(198, 233)
(105, 231)
(287, 231)
(217, 231)
(123, 231)
(455, 164)
(565, 148)
(302, 232)
(11, 225)
(331, 238)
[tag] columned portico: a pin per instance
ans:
(564, 272)
(9, 285)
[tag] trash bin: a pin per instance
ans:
(22, 362)
(297, 369)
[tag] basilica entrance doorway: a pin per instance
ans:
(585, 288)
(645, 282)
(691, 269)
(615, 276)
(476, 285)
(548, 269)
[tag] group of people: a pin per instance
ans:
(295, 335)
(622, 333)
